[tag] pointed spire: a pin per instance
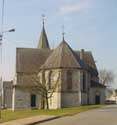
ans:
(43, 41)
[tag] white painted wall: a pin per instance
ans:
(55, 101)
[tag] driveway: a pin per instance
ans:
(103, 116)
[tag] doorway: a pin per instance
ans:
(97, 99)
(33, 100)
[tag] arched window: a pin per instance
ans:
(69, 80)
(84, 82)
(50, 79)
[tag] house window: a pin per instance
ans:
(84, 81)
(69, 80)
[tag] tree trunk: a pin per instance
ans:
(47, 104)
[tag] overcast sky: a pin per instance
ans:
(89, 24)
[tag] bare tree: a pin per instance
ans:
(106, 77)
(44, 88)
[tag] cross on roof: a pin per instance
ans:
(63, 32)
(43, 19)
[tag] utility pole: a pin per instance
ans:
(1, 43)
(1, 37)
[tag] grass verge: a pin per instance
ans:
(7, 115)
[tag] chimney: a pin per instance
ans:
(82, 54)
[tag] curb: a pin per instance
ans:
(49, 119)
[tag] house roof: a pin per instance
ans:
(26, 80)
(96, 84)
(63, 57)
(29, 60)
(89, 61)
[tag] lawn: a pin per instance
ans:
(7, 115)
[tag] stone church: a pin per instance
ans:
(74, 73)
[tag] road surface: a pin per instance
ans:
(104, 116)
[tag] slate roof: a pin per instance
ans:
(26, 80)
(96, 84)
(89, 61)
(29, 60)
(63, 57)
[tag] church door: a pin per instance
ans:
(97, 99)
(33, 100)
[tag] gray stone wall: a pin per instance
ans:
(75, 80)
(84, 98)
(93, 92)
(62, 97)
(84, 93)
(7, 94)
(72, 97)
(69, 99)
(87, 80)
(22, 99)
(7, 98)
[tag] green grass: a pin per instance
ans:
(7, 115)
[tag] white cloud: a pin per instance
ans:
(75, 7)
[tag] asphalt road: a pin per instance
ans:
(104, 116)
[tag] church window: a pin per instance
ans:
(84, 82)
(69, 80)
(50, 80)
(43, 77)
